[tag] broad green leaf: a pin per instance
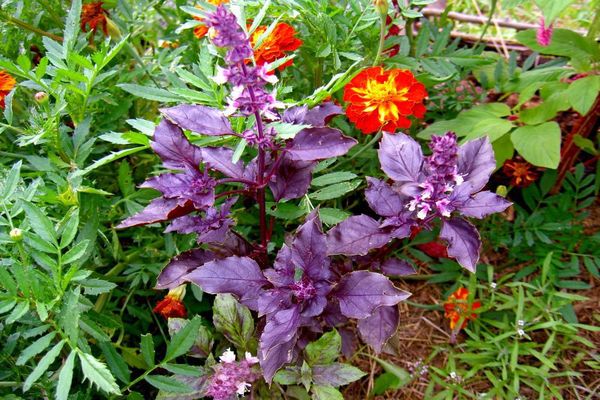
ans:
(11, 181)
(287, 376)
(493, 128)
(40, 223)
(285, 210)
(332, 216)
(583, 92)
(539, 144)
(97, 286)
(167, 384)
(43, 365)
(333, 177)
(397, 371)
(551, 9)
(183, 340)
(115, 362)
(233, 320)
(35, 348)
(503, 150)
(69, 229)
(65, 378)
(184, 369)
(334, 191)
(325, 350)
(98, 373)
(326, 393)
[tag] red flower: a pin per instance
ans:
(379, 99)
(434, 249)
(201, 30)
(171, 305)
(457, 307)
(7, 83)
(521, 173)
(281, 41)
(94, 15)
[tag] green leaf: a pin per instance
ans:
(325, 350)
(539, 144)
(183, 340)
(335, 191)
(40, 223)
(326, 393)
(69, 228)
(43, 365)
(65, 378)
(398, 372)
(35, 348)
(71, 27)
(94, 287)
(386, 381)
(333, 177)
(583, 92)
(150, 93)
(287, 376)
(115, 362)
(184, 369)
(332, 216)
(551, 9)
(493, 128)
(70, 314)
(167, 384)
(503, 150)
(147, 348)
(20, 309)
(76, 252)
(233, 320)
(12, 180)
(98, 373)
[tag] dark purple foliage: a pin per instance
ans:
(316, 116)
(199, 119)
(291, 179)
(311, 144)
(376, 329)
(447, 182)
(173, 274)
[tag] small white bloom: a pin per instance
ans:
(250, 358)
(493, 285)
(242, 387)
(422, 214)
(521, 332)
(458, 179)
(521, 322)
(228, 356)
(220, 78)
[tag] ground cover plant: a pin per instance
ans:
(294, 199)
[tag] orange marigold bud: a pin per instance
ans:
(379, 99)
(171, 306)
(457, 308)
(94, 16)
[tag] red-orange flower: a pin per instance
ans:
(94, 15)
(171, 305)
(457, 307)
(521, 173)
(434, 249)
(7, 83)
(379, 99)
(281, 41)
(201, 30)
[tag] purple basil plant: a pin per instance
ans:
(446, 186)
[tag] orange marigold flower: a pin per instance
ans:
(457, 307)
(201, 30)
(94, 15)
(171, 306)
(379, 99)
(7, 83)
(281, 41)
(521, 173)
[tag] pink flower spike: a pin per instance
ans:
(544, 33)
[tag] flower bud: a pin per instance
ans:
(381, 6)
(41, 97)
(501, 191)
(16, 234)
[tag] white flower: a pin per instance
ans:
(493, 285)
(250, 358)
(228, 356)
(521, 332)
(521, 322)
(242, 387)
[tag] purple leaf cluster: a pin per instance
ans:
(302, 292)
(446, 185)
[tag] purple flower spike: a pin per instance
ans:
(231, 378)
(544, 33)
(446, 183)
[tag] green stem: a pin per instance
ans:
(488, 22)
(31, 28)
(595, 25)
(14, 128)
(381, 39)
(364, 148)
(410, 36)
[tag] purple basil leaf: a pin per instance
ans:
(356, 236)
(192, 186)
(401, 157)
(283, 272)
(232, 245)
(483, 204)
(316, 116)
(309, 248)
(295, 115)
(316, 305)
(159, 209)
(463, 242)
(382, 199)
(397, 267)
(270, 301)
(377, 329)
(199, 119)
(240, 276)
(348, 342)
(361, 292)
(173, 274)
(312, 144)
(220, 159)
(278, 340)
(292, 179)
(336, 374)
(174, 148)
(476, 162)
